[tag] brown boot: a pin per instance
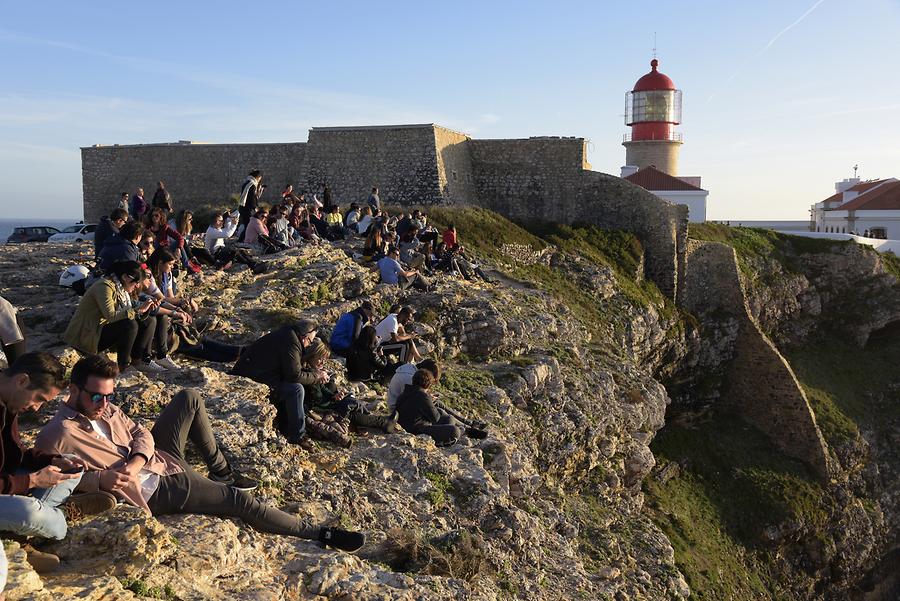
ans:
(89, 503)
(43, 563)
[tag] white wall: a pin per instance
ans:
(879, 245)
(694, 199)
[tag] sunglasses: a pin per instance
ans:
(97, 398)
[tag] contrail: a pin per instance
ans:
(766, 47)
(791, 26)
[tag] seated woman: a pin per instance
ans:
(375, 247)
(107, 319)
(365, 361)
(158, 321)
(185, 226)
(168, 237)
(161, 263)
(256, 227)
(365, 220)
(222, 227)
(417, 414)
(325, 402)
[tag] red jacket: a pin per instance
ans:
(14, 456)
(449, 238)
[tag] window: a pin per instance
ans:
(89, 228)
(72, 229)
(878, 232)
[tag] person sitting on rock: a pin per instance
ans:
(351, 219)
(375, 247)
(12, 332)
(325, 399)
(221, 228)
(392, 335)
(122, 246)
(36, 487)
(148, 469)
(449, 237)
(108, 227)
(162, 264)
(366, 360)
(403, 377)
(365, 220)
(168, 237)
(348, 327)
(392, 272)
(276, 360)
(417, 414)
(256, 227)
(335, 223)
(106, 319)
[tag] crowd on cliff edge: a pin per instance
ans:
(136, 302)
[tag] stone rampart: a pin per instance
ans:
(401, 160)
(196, 174)
(547, 179)
(761, 384)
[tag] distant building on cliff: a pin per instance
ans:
(870, 208)
(652, 110)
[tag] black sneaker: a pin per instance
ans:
(237, 480)
(345, 540)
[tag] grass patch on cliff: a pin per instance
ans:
(483, 231)
(462, 388)
(732, 486)
(847, 385)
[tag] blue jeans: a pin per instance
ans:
(38, 514)
(291, 395)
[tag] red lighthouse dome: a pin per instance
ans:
(654, 80)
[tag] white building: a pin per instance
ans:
(870, 208)
(683, 190)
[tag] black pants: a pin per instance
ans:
(200, 255)
(119, 336)
(16, 349)
(244, 219)
(236, 255)
(156, 338)
(210, 350)
(183, 419)
(446, 430)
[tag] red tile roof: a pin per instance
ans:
(654, 180)
(861, 187)
(886, 197)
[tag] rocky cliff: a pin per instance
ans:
(592, 483)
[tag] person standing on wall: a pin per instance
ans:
(374, 202)
(250, 193)
(123, 202)
(162, 198)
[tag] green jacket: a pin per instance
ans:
(99, 306)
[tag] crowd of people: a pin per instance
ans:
(91, 455)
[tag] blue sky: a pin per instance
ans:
(781, 99)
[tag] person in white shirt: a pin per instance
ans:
(222, 227)
(403, 378)
(393, 338)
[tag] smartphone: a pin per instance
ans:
(74, 470)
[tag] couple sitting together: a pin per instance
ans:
(93, 448)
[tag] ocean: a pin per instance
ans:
(7, 225)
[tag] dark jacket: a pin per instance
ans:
(362, 363)
(275, 358)
(137, 207)
(14, 456)
(163, 199)
(415, 409)
(117, 249)
(105, 230)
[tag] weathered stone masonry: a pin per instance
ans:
(761, 384)
(530, 180)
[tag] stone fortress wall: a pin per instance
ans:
(761, 384)
(530, 179)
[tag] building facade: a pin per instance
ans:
(865, 208)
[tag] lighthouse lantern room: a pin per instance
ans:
(652, 110)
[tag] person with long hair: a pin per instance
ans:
(107, 319)
(256, 227)
(221, 228)
(365, 361)
(185, 226)
(161, 264)
(169, 237)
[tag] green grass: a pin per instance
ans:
(733, 486)
(462, 389)
(891, 264)
(140, 588)
(437, 496)
(483, 231)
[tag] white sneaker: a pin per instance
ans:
(151, 367)
(167, 363)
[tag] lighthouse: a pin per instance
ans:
(652, 110)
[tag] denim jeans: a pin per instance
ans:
(38, 514)
(291, 395)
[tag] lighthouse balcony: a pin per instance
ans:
(672, 136)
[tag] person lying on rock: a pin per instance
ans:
(36, 486)
(418, 414)
(147, 468)
(348, 327)
(276, 360)
(366, 361)
(326, 397)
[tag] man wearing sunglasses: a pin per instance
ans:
(35, 486)
(147, 468)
